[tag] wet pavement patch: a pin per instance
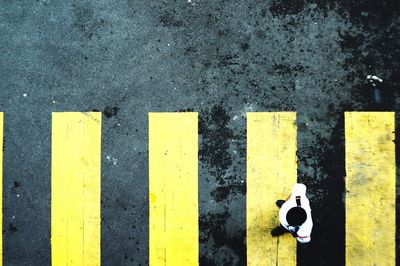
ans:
(110, 111)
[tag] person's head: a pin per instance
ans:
(296, 216)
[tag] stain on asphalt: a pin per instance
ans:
(216, 137)
(12, 229)
(215, 155)
(86, 22)
(186, 110)
(168, 19)
(17, 184)
(228, 250)
(278, 8)
(110, 111)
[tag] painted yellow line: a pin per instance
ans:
(271, 173)
(75, 189)
(370, 188)
(173, 189)
(1, 185)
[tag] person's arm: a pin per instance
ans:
(304, 232)
(303, 239)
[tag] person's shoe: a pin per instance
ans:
(280, 202)
(277, 231)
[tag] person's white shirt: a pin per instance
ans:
(304, 232)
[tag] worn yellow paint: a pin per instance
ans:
(75, 189)
(271, 173)
(370, 188)
(173, 189)
(1, 185)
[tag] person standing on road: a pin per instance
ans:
(295, 215)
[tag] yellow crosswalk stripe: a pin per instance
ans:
(271, 173)
(75, 188)
(1, 185)
(173, 189)
(370, 188)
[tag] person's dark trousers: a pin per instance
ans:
(279, 230)
(280, 202)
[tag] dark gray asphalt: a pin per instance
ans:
(219, 58)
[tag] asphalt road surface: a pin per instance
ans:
(218, 58)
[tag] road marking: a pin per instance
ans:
(173, 189)
(271, 173)
(370, 188)
(1, 184)
(75, 188)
